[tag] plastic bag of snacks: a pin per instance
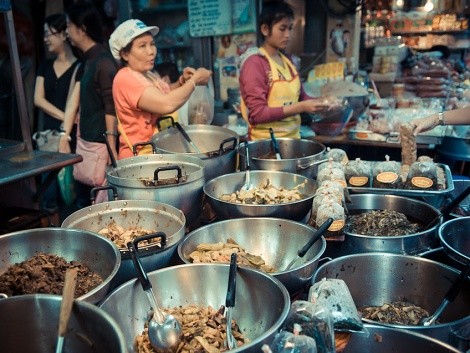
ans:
(334, 295)
(386, 174)
(337, 155)
(315, 321)
(288, 342)
(331, 209)
(358, 173)
(422, 176)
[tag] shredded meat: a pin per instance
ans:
(381, 223)
(399, 313)
(263, 194)
(121, 236)
(204, 330)
(221, 252)
(45, 273)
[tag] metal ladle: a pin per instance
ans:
(164, 330)
(230, 301)
(68, 295)
(275, 144)
(448, 298)
(317, 235)
(186, 137)
(247, 185)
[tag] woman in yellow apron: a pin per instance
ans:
(271, 91)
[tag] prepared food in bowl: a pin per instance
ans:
(399, 313)
(45, 274)
(203, 330)
(122, 235)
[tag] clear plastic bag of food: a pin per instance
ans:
(337, 155)
(288, 342)
(334, 295)
(201, 105)
(335, 174)
(358, 173)
(331, 209)
(386, 174)
(315, 321)
(422, 176)
(330, 164)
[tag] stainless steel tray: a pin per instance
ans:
(411, 193)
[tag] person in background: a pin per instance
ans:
(169, 73)
(139, 95)
(271, 90)
(94, 91)
(459, 116)
(54, 80)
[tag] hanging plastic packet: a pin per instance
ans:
(334, 295)
(315, 321)
(288, 342)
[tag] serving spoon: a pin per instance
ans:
(68, 295)
(247, 185)
(317, 235)
(164, 330)
(448, 298)
(230, 301)
(275, 144)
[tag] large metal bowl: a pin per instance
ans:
(380, 339)
(101, 255)
(378, 278)
(218, 147)
(173, 179)
(275, 240)
(261, 304)
(128, 214)
(29, 324)
(455, 239)
(411, 244)
(298, 156)
(229, 183)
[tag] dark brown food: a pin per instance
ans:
(45, 274)
(203, 330)
(398, 313)
(381, 223)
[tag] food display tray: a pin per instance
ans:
(434, 197)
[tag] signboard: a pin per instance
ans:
(218, 17)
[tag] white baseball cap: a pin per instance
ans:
(126, 32)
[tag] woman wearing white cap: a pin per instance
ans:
(140, 97)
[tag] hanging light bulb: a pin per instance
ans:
(399, 3)
(429, 6)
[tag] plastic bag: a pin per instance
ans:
(358, 173)
(288, 342)
(315, 321)
(387, 174)
(422, 176)
(334, 295)
(201, 105)
(66, 184)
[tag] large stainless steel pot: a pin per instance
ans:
(378, 278)
(411, 244)
(173, 179)
(128, 214)
(101, 255)
(380, 339)
(261, 305)
(298, 156)
(29, 324)
(218, 146)
(455, 239)
(276, 240)
(229, 183)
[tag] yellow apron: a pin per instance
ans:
(281, 93)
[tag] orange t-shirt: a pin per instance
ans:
(139, 125)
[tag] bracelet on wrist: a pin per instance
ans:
(63, 133)
(192, 81)
(440, 118)
(110, 133)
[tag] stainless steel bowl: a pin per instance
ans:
(410, 244)
(455, 239)
(29, 324)
(378, 278)
(229, 183)
(101, 255)
(261, 304)
(275, 240)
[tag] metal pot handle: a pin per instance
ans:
(170, 167)
(138, 144)
(94, 191)
(232, 139)
(142, 238)
(311, 164)
(166, 117)
(3, 296)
